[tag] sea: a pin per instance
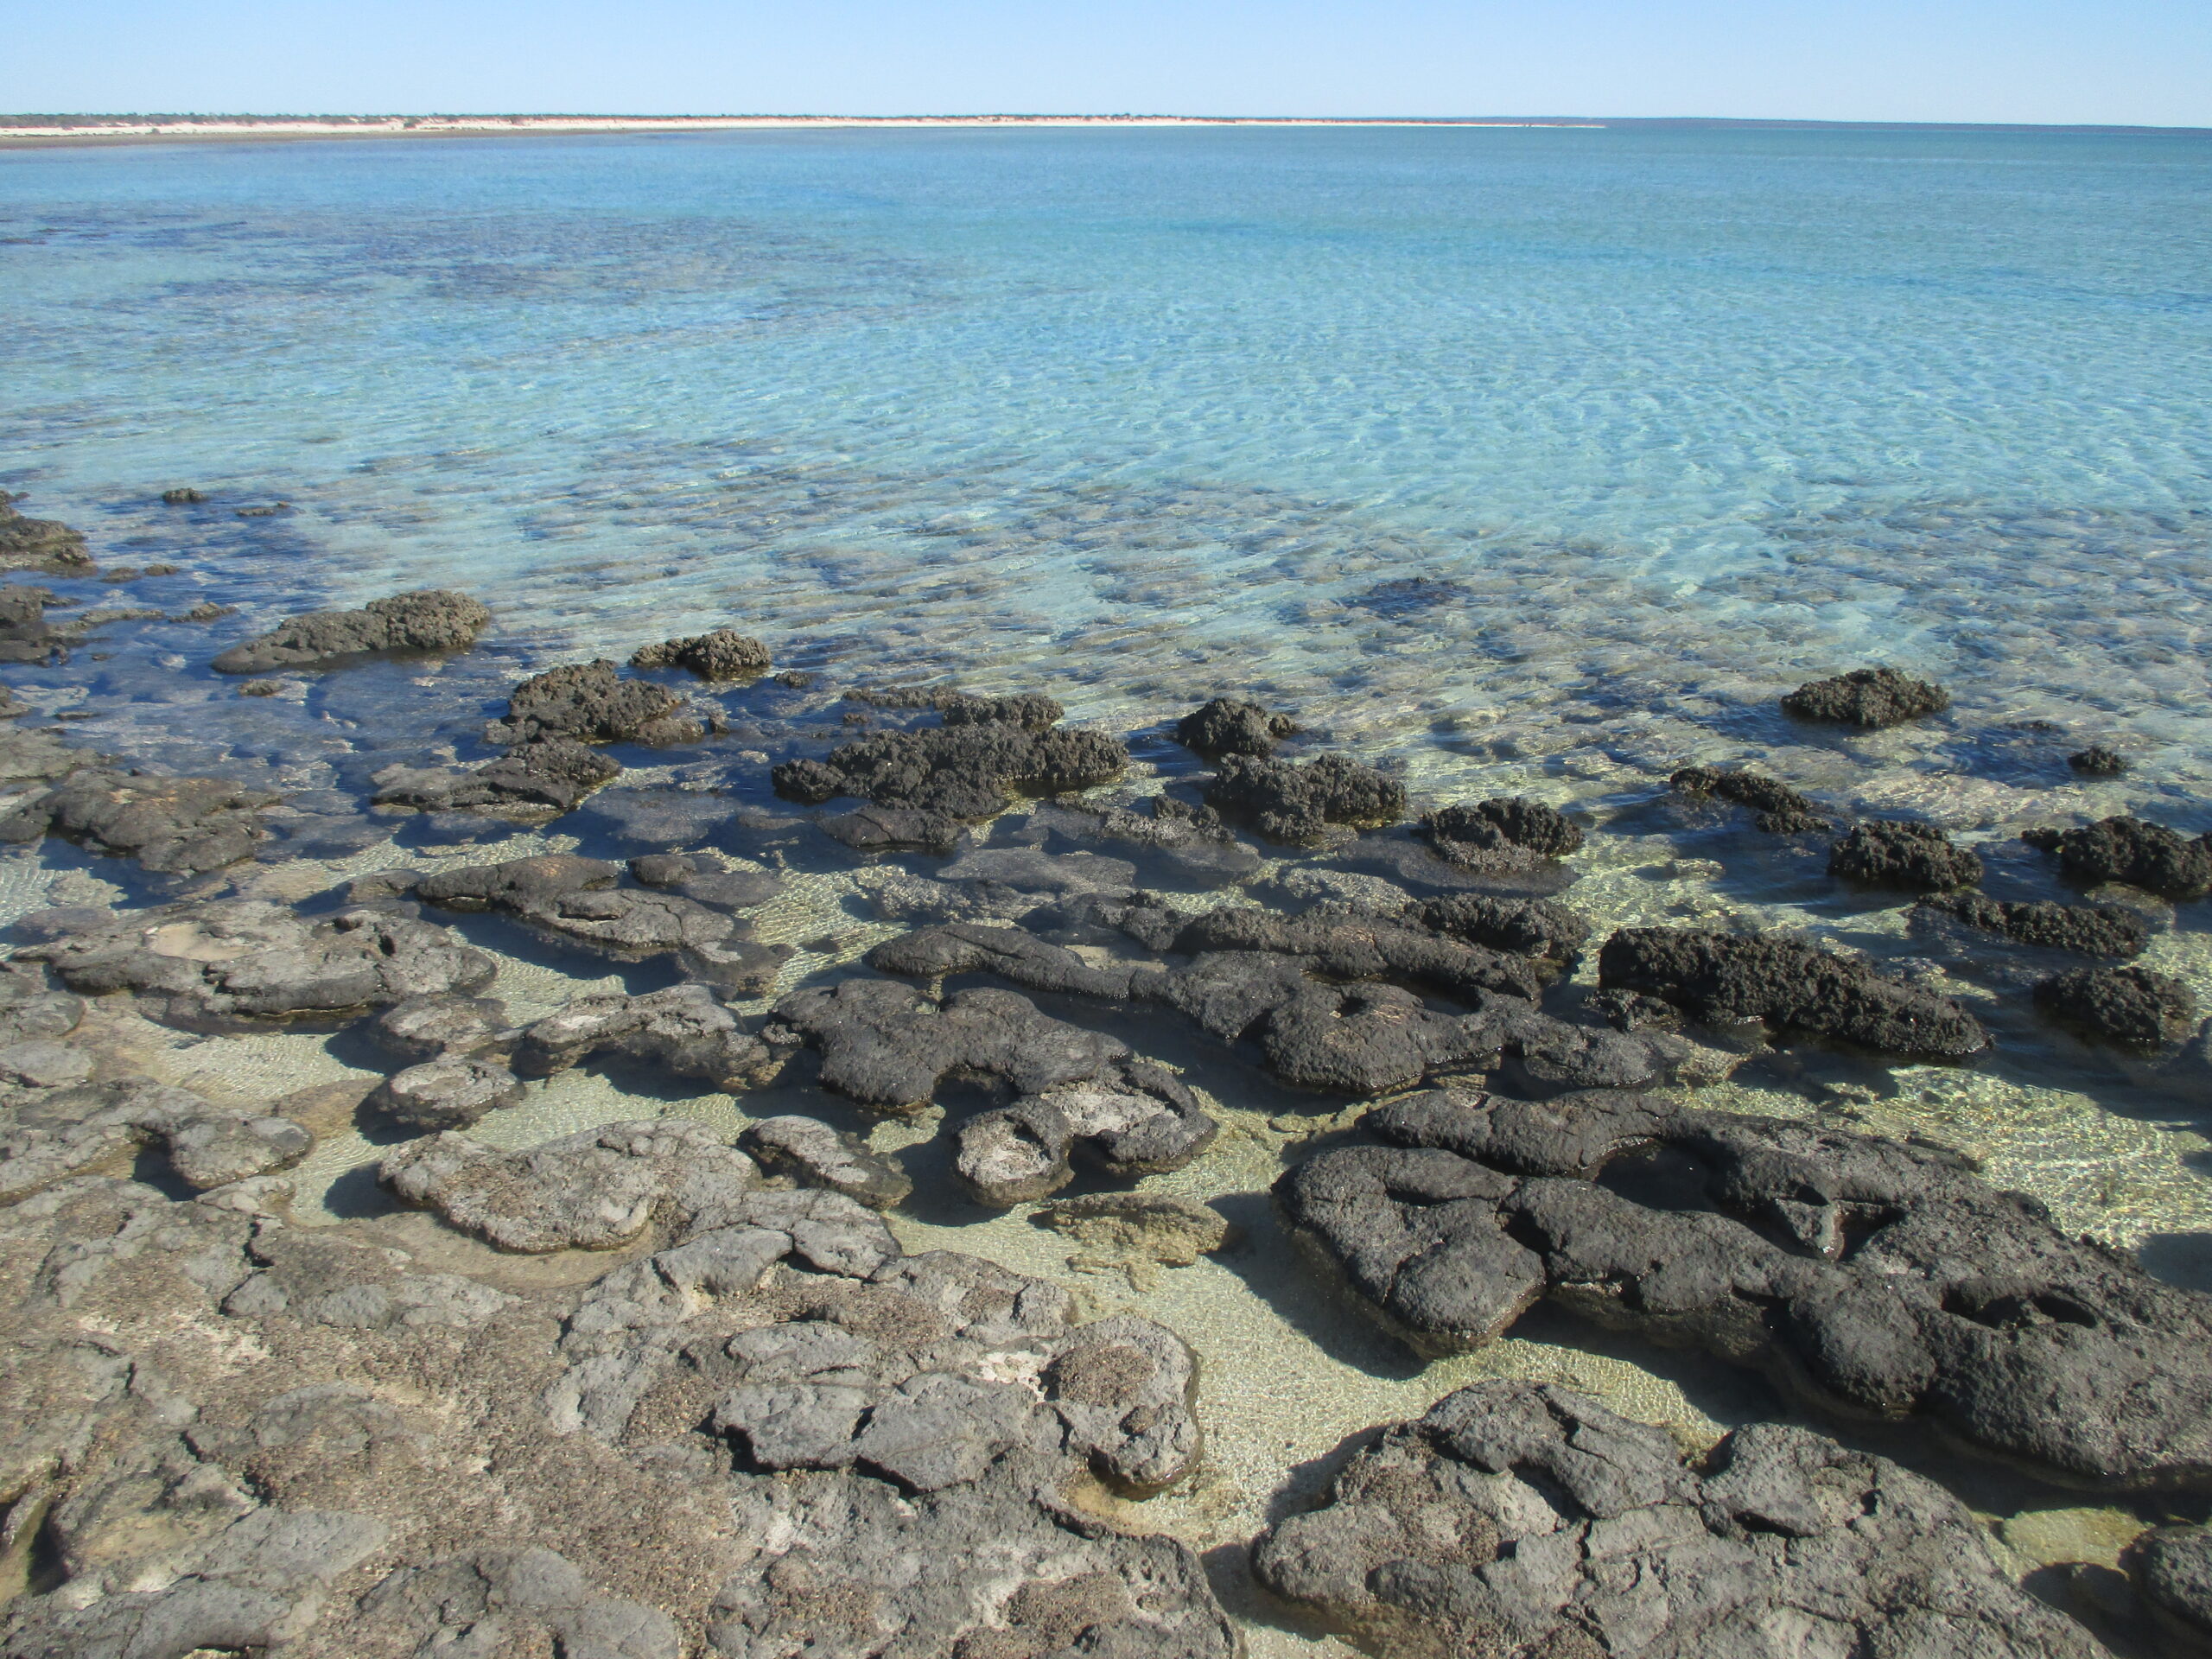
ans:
(1528, 462)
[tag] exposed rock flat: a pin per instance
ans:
(1297, 801)
(47, 545)
(2147, 855)
(177, 826)
(591, 703)
(428, 620)
(240, 1435)
(1867, 698)
(1231, 725)
(1518, 1518)
(242, 960)
(1899, 853)
(1866, 1276)
(71, 1125)
(2086, 930)
(1790, 987)
(2132, 1007)
(959, 772)
(1780, 809)
(723, 654)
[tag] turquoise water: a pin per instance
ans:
(1441, 437)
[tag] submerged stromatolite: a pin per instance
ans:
(428, 620)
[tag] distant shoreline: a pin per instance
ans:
(45, 130)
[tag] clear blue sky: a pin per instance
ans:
(2147, 61)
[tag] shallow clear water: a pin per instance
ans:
(1536, 460)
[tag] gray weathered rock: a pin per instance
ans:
(2171, 1567)
(1517, 1518)
(1899, 853)
(1138, 1119)
(1867, 1277)
(1288, 801)
(423, 621)
(241, 960)
(592, 1191)
(1868, 697)
(40, 543)
(450, 1092)
(178, 826)
(530, 783)
(429, 1027)
(48, 1134)
(819, 1155)
(1790, 987)
(724, 654)
(519, 1599)
(683, 1029)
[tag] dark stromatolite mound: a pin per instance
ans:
(40, 543)
(724, 654)
(2171, 1568)
(25, 634)
(431, 620)
(1518, 1518)
(590, 702)
(1899, 853)
(2098, 761)
(245, 960)
(184, 496)
(2147, 855)
(1189, 845)
(1133, 1119)
(889, 1046)
(959, 772)
(2085, 930)
(1289, 802)
(1471, 835)
(1549, 934)
(1781, 810)
(684, 1030)
(1228, 726)
(1358, 1039)
(405, 1460)
(1790, 987)
(706, 879)
(178, 826)
(1350, 946)
(1031, 709)
(530, 783)
(577, 900)
(818, 1155)
(1866, 1276)
(2132, 1008)
(1868, 697)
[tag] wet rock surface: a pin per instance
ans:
(1230, 726)
(177, 826)
(684, 1030)
(2085, 930)
(1898, 853)
(1519, 1518)
(1790, 987)
(530, 783)
(240, 1435)
(1866, 1276)
(224, 962)
(428, 620)
(591, 703)
(962, 772)
(724, 654)
(1136, 1233)
(2128, 849)
(1297, 803)
(1868, 697)
(2131, 1008)
(818, 1155)
(28, 544)
(1483, 833)
(1780, 809)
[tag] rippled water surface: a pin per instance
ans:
(1521, 460)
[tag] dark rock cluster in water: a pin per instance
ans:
(430, 621)
(1868, 697)
(28, 544)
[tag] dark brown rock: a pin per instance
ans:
(1228, 726)
(1286, 801)
(1868, 697)
(1899, 853)
(2147, 855)
(2086, 930)
(590, 702)
(724, 654)
(429, 620)
(2132, 1008)
(1781, 810)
